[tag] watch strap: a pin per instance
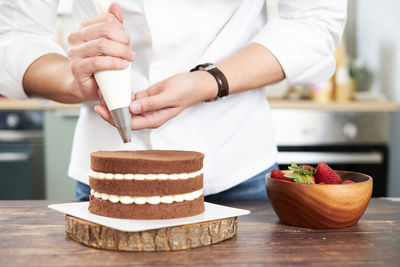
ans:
(222, 82)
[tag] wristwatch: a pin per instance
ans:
(223, 88)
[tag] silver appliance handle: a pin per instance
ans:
(286, 157)
(20, 135)
(13, 157)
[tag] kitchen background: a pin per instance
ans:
(351, 121)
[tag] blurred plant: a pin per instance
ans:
(357, 69)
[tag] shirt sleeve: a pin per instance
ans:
(303, 38)
(27, 32)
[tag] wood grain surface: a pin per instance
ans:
(164, 239)
(33, 235)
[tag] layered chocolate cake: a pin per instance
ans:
(147, 184)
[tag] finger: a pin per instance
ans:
(93, 64)
(142, 94)
(87, 87)
(149, 104)
(152, 90)
(101, 99)
(102, 47)
(111, 31)
(153, 119)
(116, 10)
(106, 17)
(150, 99)
(76, 37)
(104, 114)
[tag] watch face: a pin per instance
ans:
(210, 66)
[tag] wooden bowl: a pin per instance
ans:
(322, 206)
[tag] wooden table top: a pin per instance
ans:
(33, 235)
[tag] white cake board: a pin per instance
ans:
(212, 212)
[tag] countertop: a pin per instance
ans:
(361, 106)
(33, 235)
(352, 106)
(10, 104)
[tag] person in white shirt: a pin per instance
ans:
(170, 106)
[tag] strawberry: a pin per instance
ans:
(321, 183)
(325, 174)
(301, 174)
(277, 174)
(307, 167)
(348, 182)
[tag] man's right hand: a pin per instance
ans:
(100, 43)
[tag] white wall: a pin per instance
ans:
(378, 45)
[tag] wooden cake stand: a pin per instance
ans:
(164, 239)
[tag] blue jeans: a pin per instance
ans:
(253, 188)
(82, 191)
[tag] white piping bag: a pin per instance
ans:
(115, 88)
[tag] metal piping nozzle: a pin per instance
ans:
(122, 120)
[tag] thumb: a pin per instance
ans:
(116, 10)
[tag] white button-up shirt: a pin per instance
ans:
(172, 36)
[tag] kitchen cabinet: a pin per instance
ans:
(53, 152)
(59, 126)
(15, 171)
(21, 154)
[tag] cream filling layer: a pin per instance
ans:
(154, 200)
(130, 176)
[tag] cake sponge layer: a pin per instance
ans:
(146, 211)
(146, 161)
(146, 187)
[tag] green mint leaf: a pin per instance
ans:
(291, 175)
(309, 181)
(296, 177)
(300, 179)
(293, 167)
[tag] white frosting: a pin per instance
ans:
(112, 198)
(130, 176)
(154, 200)
(118, 176)
(179, 198)
(167, 199)
(126, 200)
(139, 200)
